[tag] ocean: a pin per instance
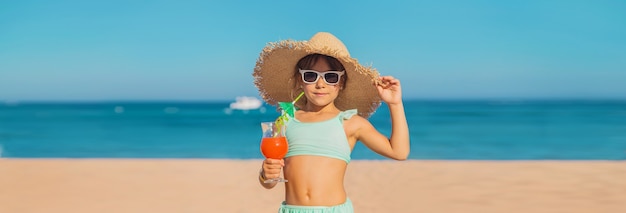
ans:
(440, 130)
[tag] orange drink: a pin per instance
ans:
(275, 147)
(274, 144)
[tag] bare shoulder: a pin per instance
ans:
(356, 123)
(356, 120)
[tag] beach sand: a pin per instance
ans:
(170, 185)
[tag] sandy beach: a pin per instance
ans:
(170, 185)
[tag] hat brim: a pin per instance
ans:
(274, 77)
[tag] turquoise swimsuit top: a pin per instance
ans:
(325, 138)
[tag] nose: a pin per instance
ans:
(320, 82)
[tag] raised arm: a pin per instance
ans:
(398, 145)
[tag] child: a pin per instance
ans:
(339, 96)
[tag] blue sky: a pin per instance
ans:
(206, 50)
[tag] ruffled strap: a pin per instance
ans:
(345, 115)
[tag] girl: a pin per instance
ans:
(339, 96)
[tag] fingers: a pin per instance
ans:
(272, 167)
(272, 161)
(388, 82)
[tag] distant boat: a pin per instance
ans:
(246, 103)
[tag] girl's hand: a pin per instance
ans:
(272, 168)
(389, 90)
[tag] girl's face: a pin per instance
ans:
(320, 93)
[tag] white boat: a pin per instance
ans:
(246, 103)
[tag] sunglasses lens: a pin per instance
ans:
(309, 77)
(331, 78)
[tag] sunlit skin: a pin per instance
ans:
(317, 180)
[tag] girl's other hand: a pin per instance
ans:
(389, 90)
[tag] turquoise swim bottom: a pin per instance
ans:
(341, 208)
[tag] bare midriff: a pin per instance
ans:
(314, 181)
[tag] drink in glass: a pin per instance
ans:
(274, 144)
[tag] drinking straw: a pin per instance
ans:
(287, 108)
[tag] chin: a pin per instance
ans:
(322, 102)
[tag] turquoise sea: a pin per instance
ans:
(457, 130)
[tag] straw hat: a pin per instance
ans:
(275, 68)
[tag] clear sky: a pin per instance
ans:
(206, 50)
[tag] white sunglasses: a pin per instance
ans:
(330, 77)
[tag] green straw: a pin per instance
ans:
(294, 101)
(286, 109)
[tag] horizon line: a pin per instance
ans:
(558, 99)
